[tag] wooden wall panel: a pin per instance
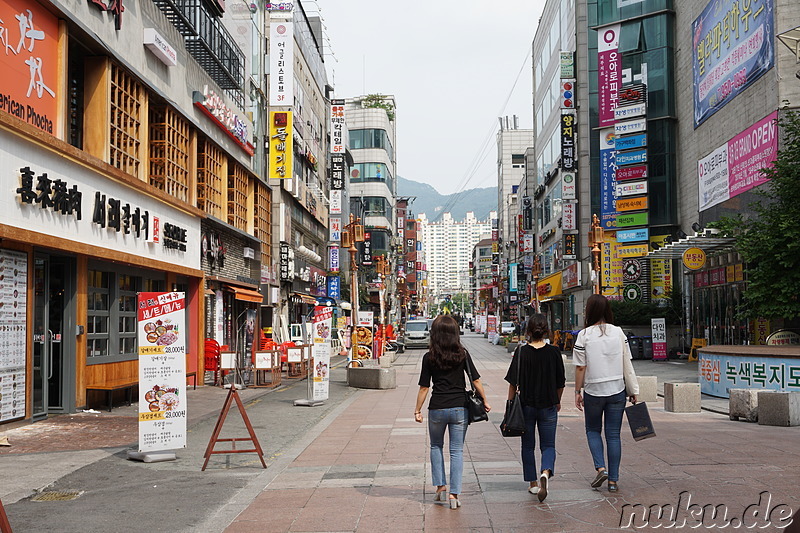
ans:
(96, 134)
(81, 312)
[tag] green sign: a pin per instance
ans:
(632, 292)
(633, 219)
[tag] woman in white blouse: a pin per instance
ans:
(604, 371)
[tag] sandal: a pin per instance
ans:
(612, 486)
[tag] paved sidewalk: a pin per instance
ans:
(367, 468)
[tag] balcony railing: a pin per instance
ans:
(207, 40)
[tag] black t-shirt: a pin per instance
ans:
(540, 376)
(449, 386)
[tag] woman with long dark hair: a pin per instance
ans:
(604, 371)
(540, 369)
(446, 364)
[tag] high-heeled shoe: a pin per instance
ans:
(440, 496)
(454, 503)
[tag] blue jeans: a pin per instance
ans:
(546, 419)
(604, 411)
(454, 419)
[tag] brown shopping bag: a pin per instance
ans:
(639, 421)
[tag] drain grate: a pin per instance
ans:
(57, 496)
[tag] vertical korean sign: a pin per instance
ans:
(608, 73)
(658, 328)
(323, 326)
(281, 64)
(280, 145)
(337, 126)
(29, 36)
(161, 331)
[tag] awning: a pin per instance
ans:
(707, 241)
(246, 295)
(305, 298)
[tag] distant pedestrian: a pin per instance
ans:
(445, 365)
(604, 371)
(540, 368)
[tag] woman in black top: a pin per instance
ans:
(445, 364)
(541, 382)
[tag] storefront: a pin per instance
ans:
(78, 241)
(549, 291)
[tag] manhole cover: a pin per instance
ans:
(57, 496)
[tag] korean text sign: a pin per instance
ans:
(30, 62)
(280, 145)
(719, 373)
(609, 75)
(733, 45)
(161, 332)
(281, 64)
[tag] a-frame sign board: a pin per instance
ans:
(233, 396)
(5, 527)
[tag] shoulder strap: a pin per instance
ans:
(469, 374)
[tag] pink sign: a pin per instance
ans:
(608, 73)
(749, 152)
(631, 173)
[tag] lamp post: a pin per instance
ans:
(595, 240)
(382, 268)
(353, 233)
(536, 271)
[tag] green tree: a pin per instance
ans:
(379, 101)
(770, 242)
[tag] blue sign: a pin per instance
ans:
(719, 373)
(631, 141)
(334, 290)
(629, 158)
(608, 210)
(633, 235)
(733, 45)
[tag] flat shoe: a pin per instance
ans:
(601, 477)
(542, 494)
(612, 487)
(533, 490)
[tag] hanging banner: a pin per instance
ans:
(609, 63)
(281, 64)
(337, 126)
(161, 328)
(658, 329)
(608, 154)
(280, 145)
(322, 328)
(733, 45)
(14, 333)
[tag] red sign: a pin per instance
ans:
(631, 173)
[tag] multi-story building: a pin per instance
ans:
(481, 277)
(448, 246)
(512, 144)
(130, 167)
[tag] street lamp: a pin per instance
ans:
(353, 233)
(536, 271)
(382, 269)
(595, 240)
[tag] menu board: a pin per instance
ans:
(323, 321)
(161, 330)
(13, 313)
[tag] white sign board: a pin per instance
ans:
(281, 64)
(13, 333)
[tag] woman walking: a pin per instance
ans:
(537, 370)
(446, 364)
(604, 371)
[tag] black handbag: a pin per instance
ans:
(639, 421)
(476, 411)
(513, 424)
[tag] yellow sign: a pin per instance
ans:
(631, 204)
(549, 287)
(635, 250)
(280, 145)
(660, 273)
(147, 417)
(610, 268)
(694, 258)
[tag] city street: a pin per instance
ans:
(360, 463)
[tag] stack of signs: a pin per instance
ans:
(161, 331)
(322, 330)
(569, 168)
(631, 187)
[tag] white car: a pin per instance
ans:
(506, 328)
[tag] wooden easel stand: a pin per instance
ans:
(233, 395)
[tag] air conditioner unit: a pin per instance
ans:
(248, 253)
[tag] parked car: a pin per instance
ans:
(506, 328)
(417, 333)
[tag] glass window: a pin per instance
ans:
(631, 38)
(377, 206)
(371, 138)
(371, 172)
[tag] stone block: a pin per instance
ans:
(372, 378)
(648, 389)
(569, 369)
(682, 397)
(743, 403)
(778, 408)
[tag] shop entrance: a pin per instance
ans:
(53, 335)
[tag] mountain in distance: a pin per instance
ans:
(429, 201)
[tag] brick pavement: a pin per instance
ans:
(368, 470)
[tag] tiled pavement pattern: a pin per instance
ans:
(369, 469)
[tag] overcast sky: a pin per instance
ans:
(451, 66)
